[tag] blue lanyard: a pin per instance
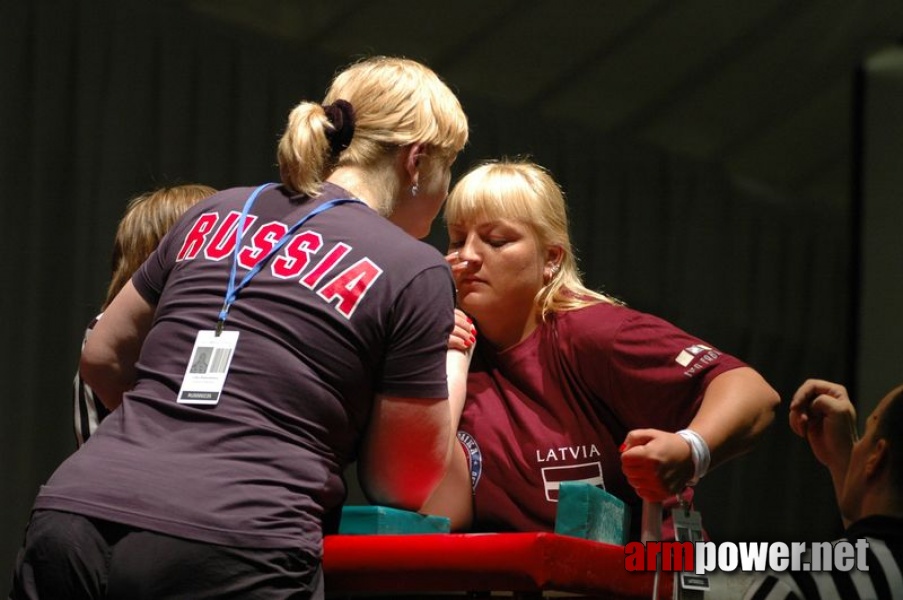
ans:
(232, 289)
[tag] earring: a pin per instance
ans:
(414, 189)
(555, 268)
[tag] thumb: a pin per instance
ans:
(637, 437)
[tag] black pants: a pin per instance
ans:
(68, 556)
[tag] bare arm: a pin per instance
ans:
(737, 407)
(405, 451)
(411, 444)
(111, 351)
(453, 498)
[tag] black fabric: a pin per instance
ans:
(74, 557)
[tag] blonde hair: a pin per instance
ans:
(396, 102)
(525, 192)
(146, 220)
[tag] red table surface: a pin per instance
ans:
(482, 562)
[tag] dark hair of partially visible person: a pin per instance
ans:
(146, 220)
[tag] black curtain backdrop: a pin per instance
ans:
(102, 100)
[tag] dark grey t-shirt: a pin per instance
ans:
(350, 307)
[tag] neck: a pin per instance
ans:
(503, 334)
(881, 501)
(359, 184)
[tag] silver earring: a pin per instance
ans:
(554, 270)
(414, 189)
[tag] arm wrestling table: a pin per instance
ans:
(522, 565)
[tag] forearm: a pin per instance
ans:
(737, 408)
(411, 443)
(107, 382)
(452, 497)
(457, 364)
(110, 353)
(405, 453)
(110, 369)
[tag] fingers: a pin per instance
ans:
(642, 474)
(638, 437)
(464, 334)
(656, 463)
(813, 401)
(812, 388)
(837, 416)
(457, 265)
(799, 422)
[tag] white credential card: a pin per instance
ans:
(208, 367)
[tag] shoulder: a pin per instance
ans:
(379, 236)
(878, 526)
(598, 316)
(604, 321)
(229, 198)
(404, 259)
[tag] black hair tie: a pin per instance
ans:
(341, 114)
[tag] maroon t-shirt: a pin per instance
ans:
(352, 306)
(557, 407)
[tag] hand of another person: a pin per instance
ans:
(464, 336)
(822, 413)
(658, 464)
(454, 261)
(458, 266)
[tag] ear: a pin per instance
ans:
(412, 159)
(554, 256)
(877, 458)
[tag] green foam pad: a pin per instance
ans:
(589, 512)
(382, 519)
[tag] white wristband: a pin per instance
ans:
(699, 451)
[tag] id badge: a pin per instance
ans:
(208, 366)
(688, 528)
